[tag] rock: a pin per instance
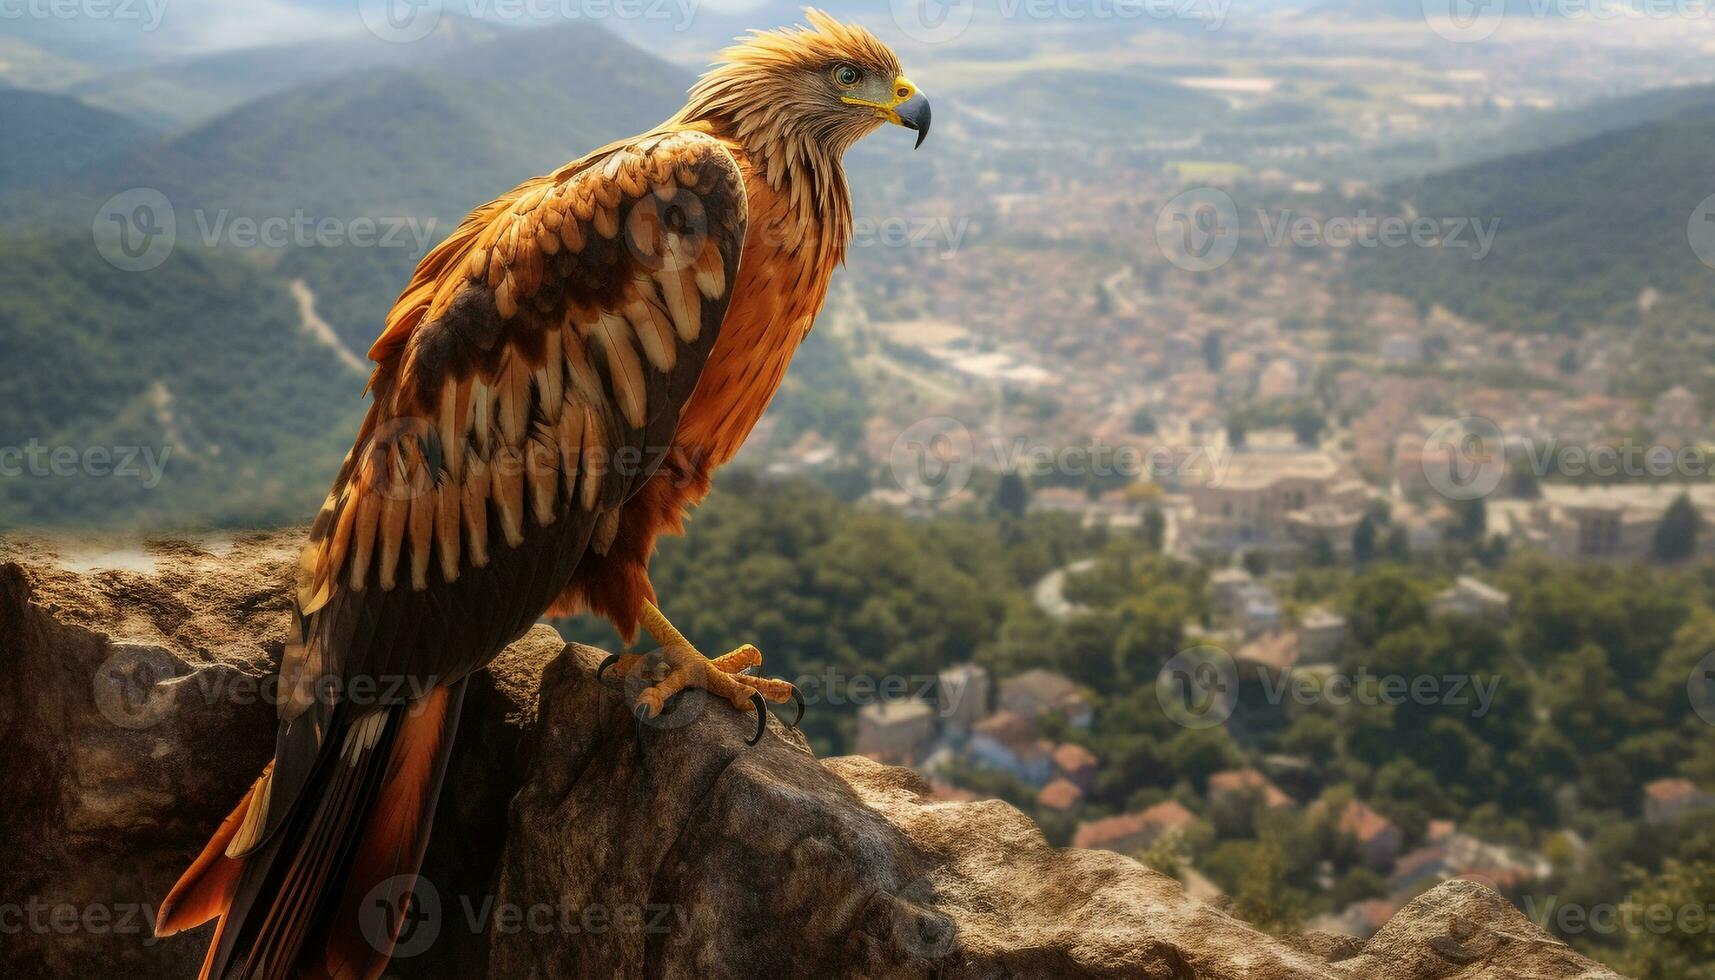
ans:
(1464, 930)
(134, 704)
(570, 842)
(725, 860)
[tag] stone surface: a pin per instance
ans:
(703, 857)
(571, 842)
(1463, 930)
(135, 708)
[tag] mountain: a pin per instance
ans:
(195, 382)
(408, 149)
(185, 91)
(28, 65)
(1569, 125)
(432, 139)
(1071, 102)
(50, 134)
(1588, 230)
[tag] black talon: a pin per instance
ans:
(798, 702)
(761, 718)
(612, 659)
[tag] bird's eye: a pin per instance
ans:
(846, 76)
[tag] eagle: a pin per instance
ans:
(553, 390)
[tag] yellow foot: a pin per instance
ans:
(679, 666)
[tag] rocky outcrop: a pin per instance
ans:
(135, 708)
(574, 842)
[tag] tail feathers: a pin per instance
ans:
(384, 868)
(206, 888)
(294, 905)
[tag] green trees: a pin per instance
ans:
(1676, 536)
(1011, 495)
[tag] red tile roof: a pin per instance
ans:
(1362, 822)
(1061, 794)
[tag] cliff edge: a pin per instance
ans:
(570, 841)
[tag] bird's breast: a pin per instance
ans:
(782, 281)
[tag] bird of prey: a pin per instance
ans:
(553, 390)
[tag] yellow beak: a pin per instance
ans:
(905, 107)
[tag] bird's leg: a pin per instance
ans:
(685, 667)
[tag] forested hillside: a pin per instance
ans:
(1584, 228)
(198, 372)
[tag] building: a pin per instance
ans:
(1076, 764)
(1320, 634)
(1246, 500)
(1006, 741)
(1241, 783)
(1035, 693)
(1226, 588)
(1676, 418)
(962, 697)
(1470, 599)
(1378, 838)
(1327, 522)
(1276, 652)
(1666, 800)
(1060, 796)
(1130, 833)
(1237, 601)
(895, 732)
(1402, 348)
(1616, 522)
(1456, 855)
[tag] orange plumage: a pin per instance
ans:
(554, 388)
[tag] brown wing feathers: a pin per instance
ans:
(531, 343)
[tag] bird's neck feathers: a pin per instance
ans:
(799, 160)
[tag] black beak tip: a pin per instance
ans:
(915, 115)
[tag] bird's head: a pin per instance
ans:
(829, 84)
